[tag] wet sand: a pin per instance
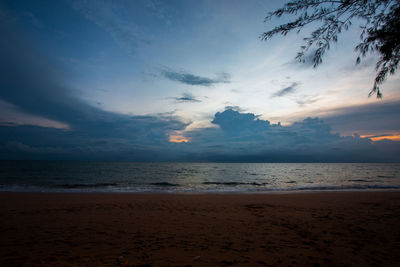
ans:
(313, 229)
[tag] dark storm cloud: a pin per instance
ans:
(33, 84)
(33, 142)
(378, 116)
(191, 79)
(187, 98)
(287, 90)
(30, 81)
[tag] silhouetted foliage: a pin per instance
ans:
(380, 30)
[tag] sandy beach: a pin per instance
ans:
(296, 229)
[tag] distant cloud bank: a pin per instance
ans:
(239, 137)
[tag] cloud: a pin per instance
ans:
(287, 90)
(11, 115)
(32, 84)
(382, 135)
(187, 98)
(232, 121)
(377, 117)
(235, 108)
(32, 87)
(191, 79)
(33, 142)
(244, 137)
(307, 99)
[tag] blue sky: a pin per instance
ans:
(161, 80)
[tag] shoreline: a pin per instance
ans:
(244, 192)
(112, 229)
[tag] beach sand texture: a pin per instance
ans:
(297, 229)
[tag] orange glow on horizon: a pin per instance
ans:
(178, 139)
(379, 138)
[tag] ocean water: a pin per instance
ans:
(71, 176)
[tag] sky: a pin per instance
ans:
(183, 81)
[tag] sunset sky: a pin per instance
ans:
(183, 80)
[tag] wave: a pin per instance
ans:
(164, 184)
(337, 188)
(386, 176)
(234, 183)
(96, 185)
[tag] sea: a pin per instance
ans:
(133, 177)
